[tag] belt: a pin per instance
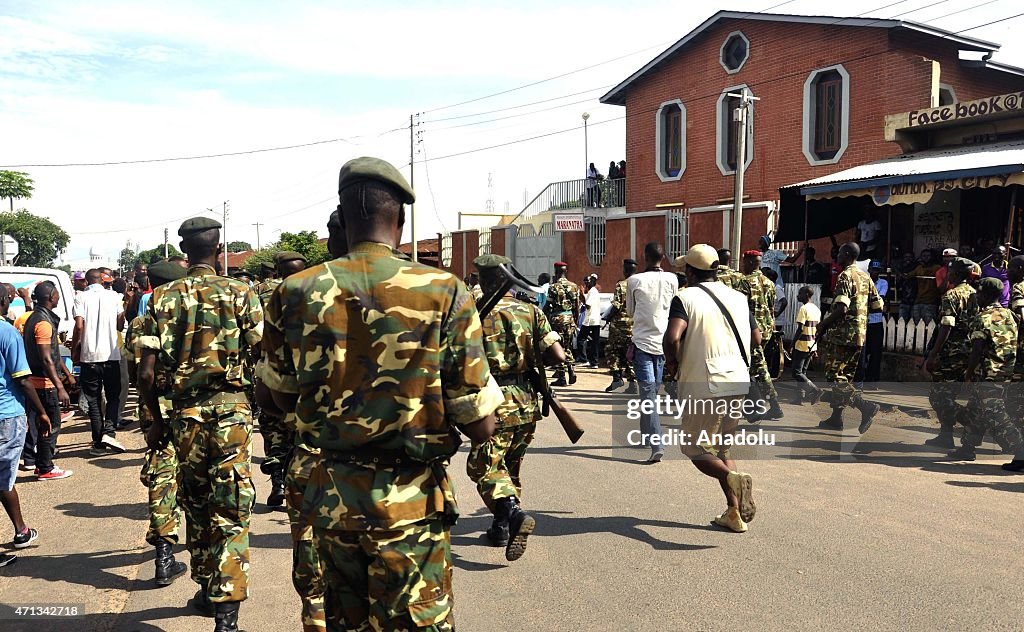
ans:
(217, 399)
(370, 455)
(511, 379)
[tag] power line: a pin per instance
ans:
(962, 10)
(433, 200)
(512, 116)
(522, 105)
(991, 23)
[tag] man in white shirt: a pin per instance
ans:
(710, 335)
(591, 331)
(648, 297)
(99, 315)
(869, 234)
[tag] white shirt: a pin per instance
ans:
(869, 230)
(780, 295)
(100, 309)
(883, 288)
(710, 361)
(773, 259)
(648, 298)
(593, 318)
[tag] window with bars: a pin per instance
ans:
(485, 242)
(446, 250)
(595, 239)
(675, 234)
(828, 114)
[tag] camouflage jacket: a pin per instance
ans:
(563, 296)
(622, 318)
(515, 336)
(996, 327)
(386, 358)
(1016, 303)
(729, 277)
(203, 325)
(956, 310)
(264, 289)
(855, 290)
(760, 293)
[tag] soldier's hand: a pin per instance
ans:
(156, 436)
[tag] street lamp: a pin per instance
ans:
(586, 160)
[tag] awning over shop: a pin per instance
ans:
(906, 179)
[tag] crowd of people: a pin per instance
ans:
(607, 190)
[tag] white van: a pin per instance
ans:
(29, 277)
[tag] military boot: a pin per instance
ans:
(616, 384)
(559, 378)
(815, 396)
(868, 410)
(201, 602)
(963, 453)
(520, 526)
(632, 388)
(572, 375)
(835, 422)
(167, 568)
(276, 497)
(498, 532)
(1016, 465)
(944, 439)
(798, 398)
(774, 411)
(227, 617)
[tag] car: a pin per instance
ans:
(27, 277)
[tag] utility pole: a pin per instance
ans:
(224, 235)
(257, 225)
(740, 116)
(412, 183)
(165, 242)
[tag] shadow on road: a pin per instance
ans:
(132, 511)
(89, 569)
(999, 486)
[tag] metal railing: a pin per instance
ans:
(575, 194)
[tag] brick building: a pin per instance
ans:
(824, 86)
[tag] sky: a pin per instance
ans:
(118, 81)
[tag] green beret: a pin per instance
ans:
(197, 225)
(991, 284)
(267, 266)
(242, 273)
(490, 261)
(288, 255)
(165, 271)
(362, 169)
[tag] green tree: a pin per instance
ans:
(126, 259)
(15, 185)
(65, 268)
(254, 263)
(307, 244)
(239, 246)
(39, 239)
(155, 254)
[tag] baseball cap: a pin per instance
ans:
(106, 278)
(78, 276)
(702, 257)
(949, 252)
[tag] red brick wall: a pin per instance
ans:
(498, 241)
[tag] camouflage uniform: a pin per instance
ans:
(1015, 390)
(277, 440)
(731, 278)
(561, 309)
(386, 359)
(620, 334)
(760, 293)
(159, 467)
(307, 573)
(986, 410)
(515, 336)
(956, 310)
(845, 340)
(202, 327)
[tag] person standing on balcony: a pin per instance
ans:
(948, 358)
(594, 186)
(561, 308)
(613, 171)
(616, 192)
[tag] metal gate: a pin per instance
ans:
(534, 253)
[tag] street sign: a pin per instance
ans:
(569, 223)
(8, 249)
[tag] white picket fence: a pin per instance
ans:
(907, 336)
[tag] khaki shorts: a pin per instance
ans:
(709, 424)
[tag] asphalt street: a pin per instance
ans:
(853, 533)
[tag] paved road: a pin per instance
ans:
(858, 533)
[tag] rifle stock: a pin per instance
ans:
(572, 428)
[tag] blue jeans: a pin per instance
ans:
(12, 440)
(927, 313)
(649, 370)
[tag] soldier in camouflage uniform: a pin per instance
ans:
(201, 328)
(382, 360)
(760, 293)
(516, 336)
(948, 358)
(562, 309)
(620, 334)
(993, 335)
(731, 278)
(1015, 390)
(845, 331)
(160, 467)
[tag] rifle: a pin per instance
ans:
(510, 277)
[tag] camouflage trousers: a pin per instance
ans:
(160, 476)
(986, 414)
(307, 575)
(565, 326)
(494, 464)
(947, 384)
(277, 441)
(395, 580)
(1015, 401)
(759, 372)
(216, 491)
(619, 337)
(841, 363)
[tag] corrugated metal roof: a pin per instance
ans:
(996, 158)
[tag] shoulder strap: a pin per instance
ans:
(728, 318)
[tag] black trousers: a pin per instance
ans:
(870, 368)
(590, 336)
(44, 447)
(105, 376)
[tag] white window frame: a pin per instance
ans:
(808, 122)
(446, 250)
(947, 88)
(722, 138)
(597, 243)
(721, 52)
(659, 166)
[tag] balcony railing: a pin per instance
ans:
(575, 194)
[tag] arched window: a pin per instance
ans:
(670, 140)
